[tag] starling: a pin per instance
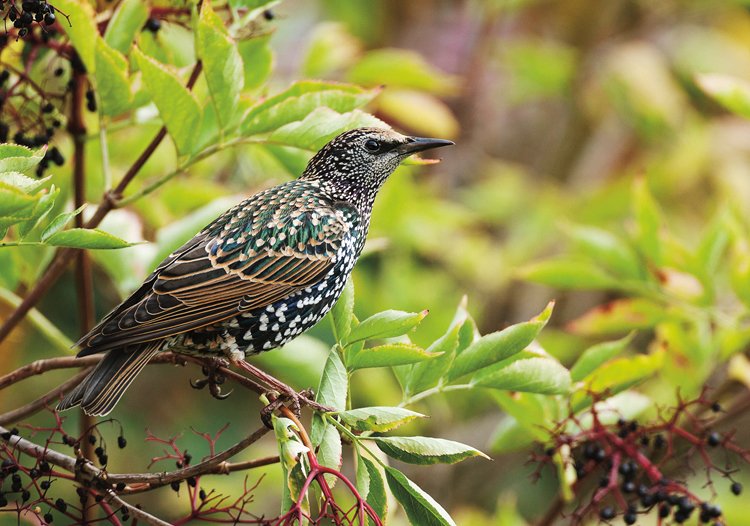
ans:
(255, 278)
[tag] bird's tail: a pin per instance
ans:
(100, 391)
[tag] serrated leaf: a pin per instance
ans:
(371, 486)
(17, 158)
(530, 375)
(59, 222)
(299, 100)
(81, 30)
(126, 22)
(388, 355)
(342, 312)
(596, 355)
(20, 181)
(320, 126)
(91, 238)
(498, 346)
(257, 58)
(419, 506)
(621, 373)
(332, 391)
(426, 450)
(112, 84)
(731, 92)
(222, 64)
(567, 273)
(378, 419)
(178, 107)
(386, 324)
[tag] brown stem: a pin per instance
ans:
(42, 366)
(65, 255)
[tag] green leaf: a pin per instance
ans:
(331, 48)
(291, 452)
(178, 107)
(388, 355)
(112, 84)
(59, 222)
(731, 92)
(329, 452)
(426, 450)
(257, 59)
(427, 374)
(41, 209)
(342, 312)
(14, 200)
(331, 392)
(648, 221)
(126, 22)
(20, 181)
(222, 64)
(595, 356)
(320, 126)
(300, 99)
(621, 373)
(606, 249)
(371, 486)
(510, 436)
(378, 419)
(619, 316)
(530, 375)
(498, 346)
(17, 158)
(86, 238)
(81, 30)
(402, 69)
(420, 508)
(569, 274)
(386, 324)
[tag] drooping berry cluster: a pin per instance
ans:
(622, 468)
(28, 13)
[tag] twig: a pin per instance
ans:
(137, 513)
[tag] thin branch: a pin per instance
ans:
(43, 401)
(48, 364)
(137, 513)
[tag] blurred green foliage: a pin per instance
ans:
(601, 160)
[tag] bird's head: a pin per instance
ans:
(360, 160)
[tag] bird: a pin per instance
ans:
(256, 277)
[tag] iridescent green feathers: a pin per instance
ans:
(267, 247)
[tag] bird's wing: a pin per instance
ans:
(255, 254)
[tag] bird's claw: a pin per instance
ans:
(214, 379)
(290, 399)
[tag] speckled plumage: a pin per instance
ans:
(261, 274)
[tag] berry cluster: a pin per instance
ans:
(621, 468)
(30, 12)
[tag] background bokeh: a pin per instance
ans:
(557, 108)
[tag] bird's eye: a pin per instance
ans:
(372, 146)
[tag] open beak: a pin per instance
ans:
(420, 144)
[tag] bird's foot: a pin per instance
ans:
(213, 379)
(289, 398)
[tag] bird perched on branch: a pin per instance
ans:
(261, 274)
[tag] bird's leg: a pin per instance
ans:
(213, 378)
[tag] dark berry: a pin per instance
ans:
(153, 25)
(103, 460)
(61, 505)
(49, 19)
(713, 439)
(192, 482)
(47, 108)
(92, 439)
(716, 407)
(607, 513)
(99, 451)
(549, 451)
(630, 518)
(664, 511)
(628, 486)
(121, 442)
(736, 488)
(658, 442)
(125, 517)
(44, 467)
(175, 485)
(33, 473)
(25, 495)
(644, 441)
(187, 457)
(202, 494)
(48, 518)
(269, 15)
(45, 484)
(648, 500)
(59, 72)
